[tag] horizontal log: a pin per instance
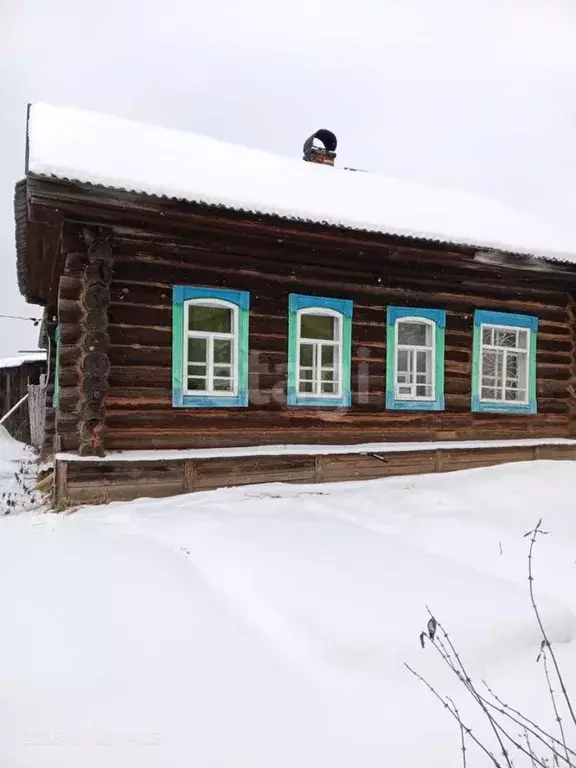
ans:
(70, 287)
(279, 286)
(95, 495)
(242, 254)
(123, 471)
(251, 465)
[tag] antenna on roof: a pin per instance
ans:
(27, 151)
(321, 147)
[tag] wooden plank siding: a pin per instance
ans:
(147, 264)
(13, 386)
(97, 482)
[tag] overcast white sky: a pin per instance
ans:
(472, 94)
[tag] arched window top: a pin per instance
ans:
(415, 358)
(210, 347)
(208, 302)
(320, 311)
(211, 316)
(415, 319)
(415, 331)
(320, 324)
(319, 351)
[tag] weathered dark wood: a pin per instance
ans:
(93, 359)
(99, 482)
(14, 382)
(61, 499)
(115, 314)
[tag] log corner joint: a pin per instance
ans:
(94, 358)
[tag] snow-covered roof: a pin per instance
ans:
(17, 361)
(88, 147)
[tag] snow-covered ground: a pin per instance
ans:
(266, 627)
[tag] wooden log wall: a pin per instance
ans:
(50, 437)
(271, 265)
(84, 295)
(98, 482)
(93, 345)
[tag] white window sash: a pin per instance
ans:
(317, 345)
(505, 351)
(412, 350)
(211, 337)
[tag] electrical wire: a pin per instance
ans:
(35, 320)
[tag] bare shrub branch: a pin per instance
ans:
(496, 711)
(533, 535)
(454, 714)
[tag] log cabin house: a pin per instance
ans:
(220, 315)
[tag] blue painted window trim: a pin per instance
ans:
(438, 317)
(296, 303)
(487, 317)
(184, 293)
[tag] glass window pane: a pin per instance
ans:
(327, 355)
(318, 327)
(328, 387)
(516, 366)
(197, 350)
(504, 337)
(487, 335)
(328, 375)
(512, 366)
(222, 370)
(488, 393)
(424, 363)
(424, 390)
(523, 339)
(306, 354)
(405, 390)
(196, 370)
(197, 384)
(222, 350)
(492, 366)
(222, 385)
(307, 374)
(418, 334)
(306, 386)
(518, 395)
(403, 358)
(214, 319)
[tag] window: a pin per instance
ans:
(504, 365)
(319, 351)
(415, 359)
(210, 347)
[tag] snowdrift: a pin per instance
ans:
(267, 626)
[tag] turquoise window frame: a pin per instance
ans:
(241, 299)
(56, 393)
(510, 320)
(438, 318)
(344, 307)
